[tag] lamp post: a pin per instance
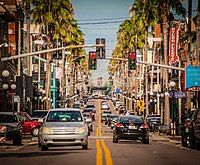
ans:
(5, 87)
(162, 109)
(172, 85)
(151, 102)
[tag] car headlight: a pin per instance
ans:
(80, 130)
(46, 130)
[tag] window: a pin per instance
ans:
(64, 116)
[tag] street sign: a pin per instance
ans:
(178, 94)
(192, 74)
(118, 90)
(16, 99)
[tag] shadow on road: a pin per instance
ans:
(35, 154)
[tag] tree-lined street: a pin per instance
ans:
(121, 79)
(101, 149)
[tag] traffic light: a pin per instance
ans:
(131, 60)
(101, 51)
(92, 61)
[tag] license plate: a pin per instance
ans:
(132, 127)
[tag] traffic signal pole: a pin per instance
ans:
(47, 51)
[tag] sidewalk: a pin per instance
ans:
(165, 138)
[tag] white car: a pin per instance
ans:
(118, 104)
(63, 127)
(105, 107)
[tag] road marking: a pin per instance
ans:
(107, 153)
(101, 143)
(98, 153)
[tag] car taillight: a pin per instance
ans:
(144, 126)
(119, 125)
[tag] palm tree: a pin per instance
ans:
(58, 17)
(158, 11)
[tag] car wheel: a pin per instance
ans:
(39, 145)
(145, 140)
(115, 140)
(44, 148)
(85, 146)
(35, 132)
(190, 142)
(17, 141)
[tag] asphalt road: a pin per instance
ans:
(103, 151)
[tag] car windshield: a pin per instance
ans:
(90, 106)
(130, 119)
(87, 110)
(5, 118)
(64, 116)
(40, 114)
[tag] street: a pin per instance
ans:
(103, 151)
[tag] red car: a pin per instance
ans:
(29, 126)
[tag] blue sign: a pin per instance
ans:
(192, 75)
(178, 94)
(118, 90)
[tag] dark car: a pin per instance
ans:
(13, 125)
(191, 130)
(104, 115)
(91, 111)
(131, 127)
(39, 115)
(109, 118)
(153, 121)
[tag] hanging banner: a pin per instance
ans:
(173, 43)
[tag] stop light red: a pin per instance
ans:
(131, 60)
(92, 61)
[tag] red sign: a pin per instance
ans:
(173, 44)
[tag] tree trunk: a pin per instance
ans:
(165, 71)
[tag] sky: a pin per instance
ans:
(95, 11)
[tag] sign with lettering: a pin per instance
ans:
(192, 75)
(173, 43)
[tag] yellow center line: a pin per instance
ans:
(98, 153)
(99, 158)
(107, 153)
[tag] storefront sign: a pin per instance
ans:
(173, 40)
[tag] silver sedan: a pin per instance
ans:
(63, 127)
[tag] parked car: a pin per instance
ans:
(30, 126)
(39, 115)
(63, 127)
(153, 121)
(14, 127)
(191, 130)
(131, 127)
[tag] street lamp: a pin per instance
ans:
(172, 85)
